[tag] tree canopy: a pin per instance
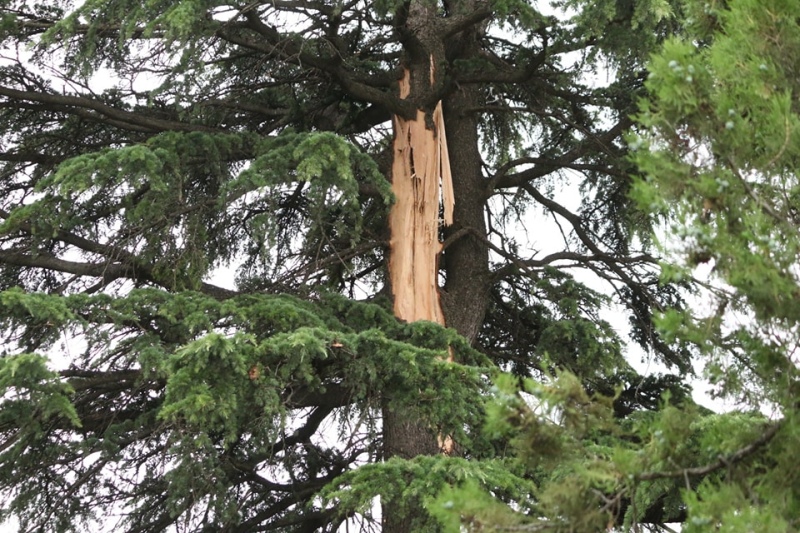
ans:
(149, 148)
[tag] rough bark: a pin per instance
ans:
(466, 260)
(422, 184)
(427, 180)
(407, 438)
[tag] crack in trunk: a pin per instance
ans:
(422, 183)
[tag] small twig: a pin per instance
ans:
(768, 209)
(788, 135)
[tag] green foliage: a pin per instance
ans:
(443, 482)
(718, 149)
(147, 189)
(225, 398)
(722, 145)
(35, 393)
(645, 23)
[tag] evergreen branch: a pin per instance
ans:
(295, 396)
(125, 264)
(527, 264)
(509, 74)
(67, 494)
(300, 396)
(576, 258)
(502, 180)
(86, 379)
(306, 270)
(37, 25)
(294, 53)
(763, 205)
(30, 157)
(76, 104)
(572, 218)
(457, 24)
(297, 6)
(721, 462)
(301, 434)
(283, 505)
(108, 271)
(614, 266)
(237, 104)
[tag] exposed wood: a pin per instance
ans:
(422, 185)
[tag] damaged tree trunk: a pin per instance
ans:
(422, 186)
(421, 183)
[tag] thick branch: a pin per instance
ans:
(108, 271)
(295, 53)
(30, 157)
(504, 73)
(124, 264)
(454, 25)
(295, 397)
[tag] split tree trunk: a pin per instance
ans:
(427, 182)
(420, 169)
(422, 186)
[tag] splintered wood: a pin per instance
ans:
(422, 185)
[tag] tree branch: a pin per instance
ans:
(108, 271)
(502, 180)
(457, 24)
(722, 462)
(124, 264)
(74, 104)
(277, 44)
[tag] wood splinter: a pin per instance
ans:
(422, 183)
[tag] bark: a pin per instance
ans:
(432, 173)
(405, 437)
(422, 184)
(466, 261)
(465, 294)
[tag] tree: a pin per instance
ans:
(254, 135)
(719, 148)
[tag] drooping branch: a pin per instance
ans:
(75, 104)
(120, 263)
(723, 461)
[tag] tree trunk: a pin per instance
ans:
(465, 295)
(426, 180)
(420, 171)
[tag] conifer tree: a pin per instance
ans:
(719, 148)
(146, 145)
